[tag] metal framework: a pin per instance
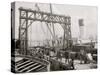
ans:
(28, 16)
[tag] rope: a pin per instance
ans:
(30, 35)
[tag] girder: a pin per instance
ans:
(44, 16)
(28, 16)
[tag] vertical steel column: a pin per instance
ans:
(67, 34)
(64, 39)
(26, 36)
(23, 36)
(20, 31)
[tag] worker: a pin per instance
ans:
(83, 58)
(66, 56)
(58, 55)
(71, 64)
(89, 57)
(81, 55)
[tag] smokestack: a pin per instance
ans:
(81, 27)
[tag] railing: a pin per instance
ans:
(38, 60)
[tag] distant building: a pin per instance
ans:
(81, 27)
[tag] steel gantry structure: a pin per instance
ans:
(28, 16)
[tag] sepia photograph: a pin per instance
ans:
(48, 37)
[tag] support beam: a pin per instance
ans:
(46, 17)
(42, 17)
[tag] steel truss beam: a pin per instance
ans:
(28, 16)
(44, 16)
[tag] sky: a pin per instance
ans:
(39, 31)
